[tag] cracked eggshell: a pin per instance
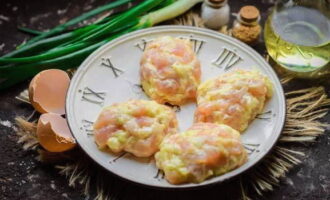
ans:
(47, 91)
(54, 134)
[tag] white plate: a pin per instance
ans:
(111, 74)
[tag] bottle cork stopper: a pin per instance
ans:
(216, 1)
(249, 13)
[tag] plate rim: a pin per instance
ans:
(188, 29)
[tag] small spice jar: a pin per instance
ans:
(215, 13)
(246, 26)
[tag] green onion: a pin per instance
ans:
(132, 14)
(54, 52)
(11, 75)
(62, 27)
(68, 50)
(48, 55)
(46, 44)
(169, 12)
(30, 31)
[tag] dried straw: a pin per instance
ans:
(26, 132)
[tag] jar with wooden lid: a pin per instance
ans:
(215, 13)
(246, 26)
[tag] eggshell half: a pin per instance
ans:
(47, 91)
(54, 134)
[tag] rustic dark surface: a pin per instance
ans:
(22, 177)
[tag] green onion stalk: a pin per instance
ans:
(68, 50)
(76, 20)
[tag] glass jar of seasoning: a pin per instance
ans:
(246, 26)
(215, 13)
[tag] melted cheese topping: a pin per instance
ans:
(170, 71)
(233, 98)
(135, 126)
(202, 151)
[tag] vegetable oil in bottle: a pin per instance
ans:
(298, 39)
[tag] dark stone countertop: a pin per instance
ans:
(22, 177)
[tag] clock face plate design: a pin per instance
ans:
(111, 75)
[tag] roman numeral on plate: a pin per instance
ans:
(142, 44)
(87, 127)
(159, 175)
(117, 157)
(268, 115)
(197, 43)
(92, 96)
(251, 148)
(106, 62)
(226, 59)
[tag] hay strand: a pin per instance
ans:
(189, 19)
(304, 108)
(24, 96)
(26, 132)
